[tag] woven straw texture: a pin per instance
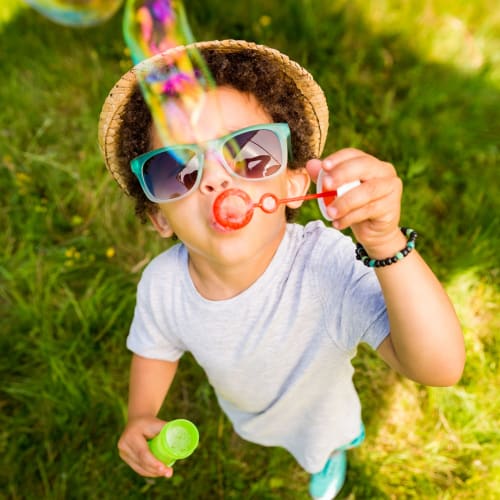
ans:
(110, 119)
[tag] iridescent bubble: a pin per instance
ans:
(79, 13)
(175, 90)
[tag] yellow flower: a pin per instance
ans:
(110, 252)
(70, 252)
(265, 21)
(23, 182)
(22, 178)
(76, 220)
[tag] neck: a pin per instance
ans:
(221, 280)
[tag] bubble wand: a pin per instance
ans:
(233, 208)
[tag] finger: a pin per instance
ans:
(357, 197)
(340, 156)
(146, 472)
(313, 167)
(375, 212)
(142, 470)
(153, 427)
(148, 461)
(389, 189)
(362, 168)
(132, 461)
(142, 465)
(380, 204)
(138, 452)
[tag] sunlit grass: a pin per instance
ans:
(8, 10)
(415, 83)
(452, 33)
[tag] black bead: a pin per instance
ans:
(362, 254)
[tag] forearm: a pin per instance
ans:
(150, 380)
(425, 342)
(426, 336)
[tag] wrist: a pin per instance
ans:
(388, 252)
(141, 413)
(387, 246)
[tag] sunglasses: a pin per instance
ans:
(252, 153)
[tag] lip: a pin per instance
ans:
(220, 229)
(232, 217)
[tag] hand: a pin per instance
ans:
(134, 450)
(372, 209)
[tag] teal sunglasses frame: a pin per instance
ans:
(282, 131)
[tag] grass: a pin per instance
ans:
(416, 83)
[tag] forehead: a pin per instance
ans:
(217, 113)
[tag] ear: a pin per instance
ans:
(298, 183)
(160, 223)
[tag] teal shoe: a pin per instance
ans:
(326, 484)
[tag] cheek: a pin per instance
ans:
(277, 186)
(183, 214)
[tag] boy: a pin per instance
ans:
(273, 312)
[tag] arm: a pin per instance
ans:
(426, 342)
(150, 380)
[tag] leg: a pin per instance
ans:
(325, 485)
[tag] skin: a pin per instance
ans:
(222, 264)
(426, 342)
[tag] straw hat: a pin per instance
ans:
(316, 109)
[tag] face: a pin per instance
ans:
(191, 217)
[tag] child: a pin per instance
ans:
(273, 312)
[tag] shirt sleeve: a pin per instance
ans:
(364, 313)
(351, 293)
(151, 335)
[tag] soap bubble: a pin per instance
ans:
(176, 91)
(79, 13)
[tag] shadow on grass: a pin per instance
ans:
(63, 413)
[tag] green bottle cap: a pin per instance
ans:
(177, 439)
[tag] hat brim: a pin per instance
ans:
(315, 105)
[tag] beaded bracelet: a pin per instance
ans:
(410, 245)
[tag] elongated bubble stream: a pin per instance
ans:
(176, 89)
(76, 13)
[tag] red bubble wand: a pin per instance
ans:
(233, 208)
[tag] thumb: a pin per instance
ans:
(313, 167)
(153, 427)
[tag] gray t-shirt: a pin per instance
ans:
(278, 354)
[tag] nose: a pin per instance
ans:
(215, 177)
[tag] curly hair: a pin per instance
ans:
(246, 71)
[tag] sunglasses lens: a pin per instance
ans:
(171, 174)
(255, 154)
(174, 172)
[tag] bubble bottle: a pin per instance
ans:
(177, 440)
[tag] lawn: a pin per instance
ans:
(415, 83)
